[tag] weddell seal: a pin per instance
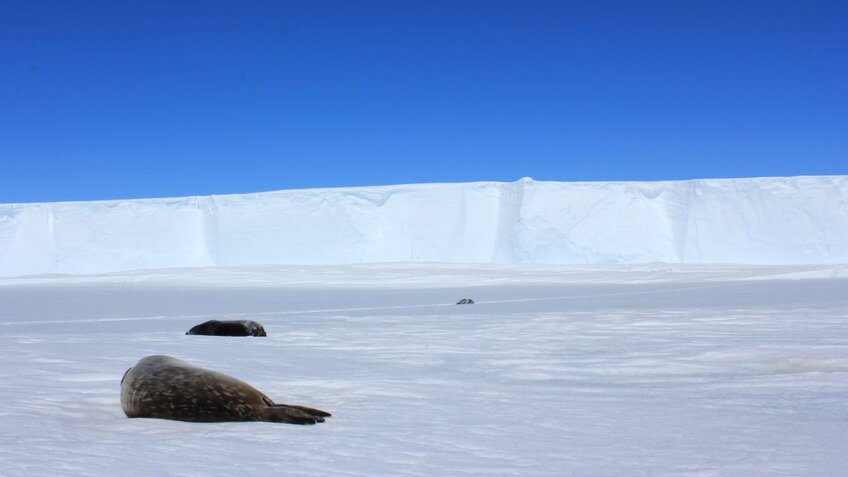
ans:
(167, 388)
(228, 328)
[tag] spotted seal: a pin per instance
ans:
(228, 328)
(168, 388)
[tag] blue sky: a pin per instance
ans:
(104, 100)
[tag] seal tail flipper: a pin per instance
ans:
(308, 410)
(290, 414)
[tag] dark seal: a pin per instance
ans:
(167, 388)
(228, 328)
(465, 301)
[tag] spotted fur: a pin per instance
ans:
(167, 388)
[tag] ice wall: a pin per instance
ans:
(788, 220)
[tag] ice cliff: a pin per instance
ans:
(789, 220)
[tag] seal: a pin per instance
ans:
(168, 388)
(228, 328)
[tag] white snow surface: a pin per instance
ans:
(653, 369)
(788, 220)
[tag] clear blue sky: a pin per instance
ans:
(118, 99)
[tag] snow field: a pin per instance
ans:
(618, 370)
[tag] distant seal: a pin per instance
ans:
(167, 388)
(228, 328)
(465, 301)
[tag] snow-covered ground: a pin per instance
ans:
(648, 369)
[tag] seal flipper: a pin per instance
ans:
(308, 410)
(289, 414)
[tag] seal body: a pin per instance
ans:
(465, 301)
(167, 388)
(228, 328)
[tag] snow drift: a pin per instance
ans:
(792, 220)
